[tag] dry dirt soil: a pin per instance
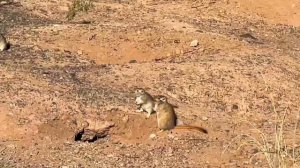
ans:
(239, 82)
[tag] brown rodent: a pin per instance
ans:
(166, 116)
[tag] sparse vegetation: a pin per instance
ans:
(278, 153)
(79, 6)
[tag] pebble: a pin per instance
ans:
(11, 146)
(76, 151)
(3, 2)
(110, 156)
(194, 43)
(132, 61)
(204, 118)
(152, 136)
(171, 136)
(79, 52)
(125, 119)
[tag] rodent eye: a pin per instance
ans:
(139, 90)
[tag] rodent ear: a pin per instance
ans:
(163, 99)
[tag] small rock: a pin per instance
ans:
(204, 118)
(152, 136)
(11, 146)
(125, 119)
(171, 136)
(64, 166)
(76, 151)
(132, 61)
(3, 2)
(194, 43)
(79, 52)
(10, 114)
(36, 48)
(122, 145)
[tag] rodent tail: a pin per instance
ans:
(190, 127)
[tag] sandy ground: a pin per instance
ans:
(239, 82)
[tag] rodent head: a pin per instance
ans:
(139, 91)
(161, 99)
(140, 95)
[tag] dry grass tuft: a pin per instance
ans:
(79, 6)
(274, 148)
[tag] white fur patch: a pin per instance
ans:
(155, 107)
(148, 107)
(138, 100)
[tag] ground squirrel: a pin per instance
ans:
(145, 101)
(166, 116)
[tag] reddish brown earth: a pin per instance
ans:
(245, 74)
